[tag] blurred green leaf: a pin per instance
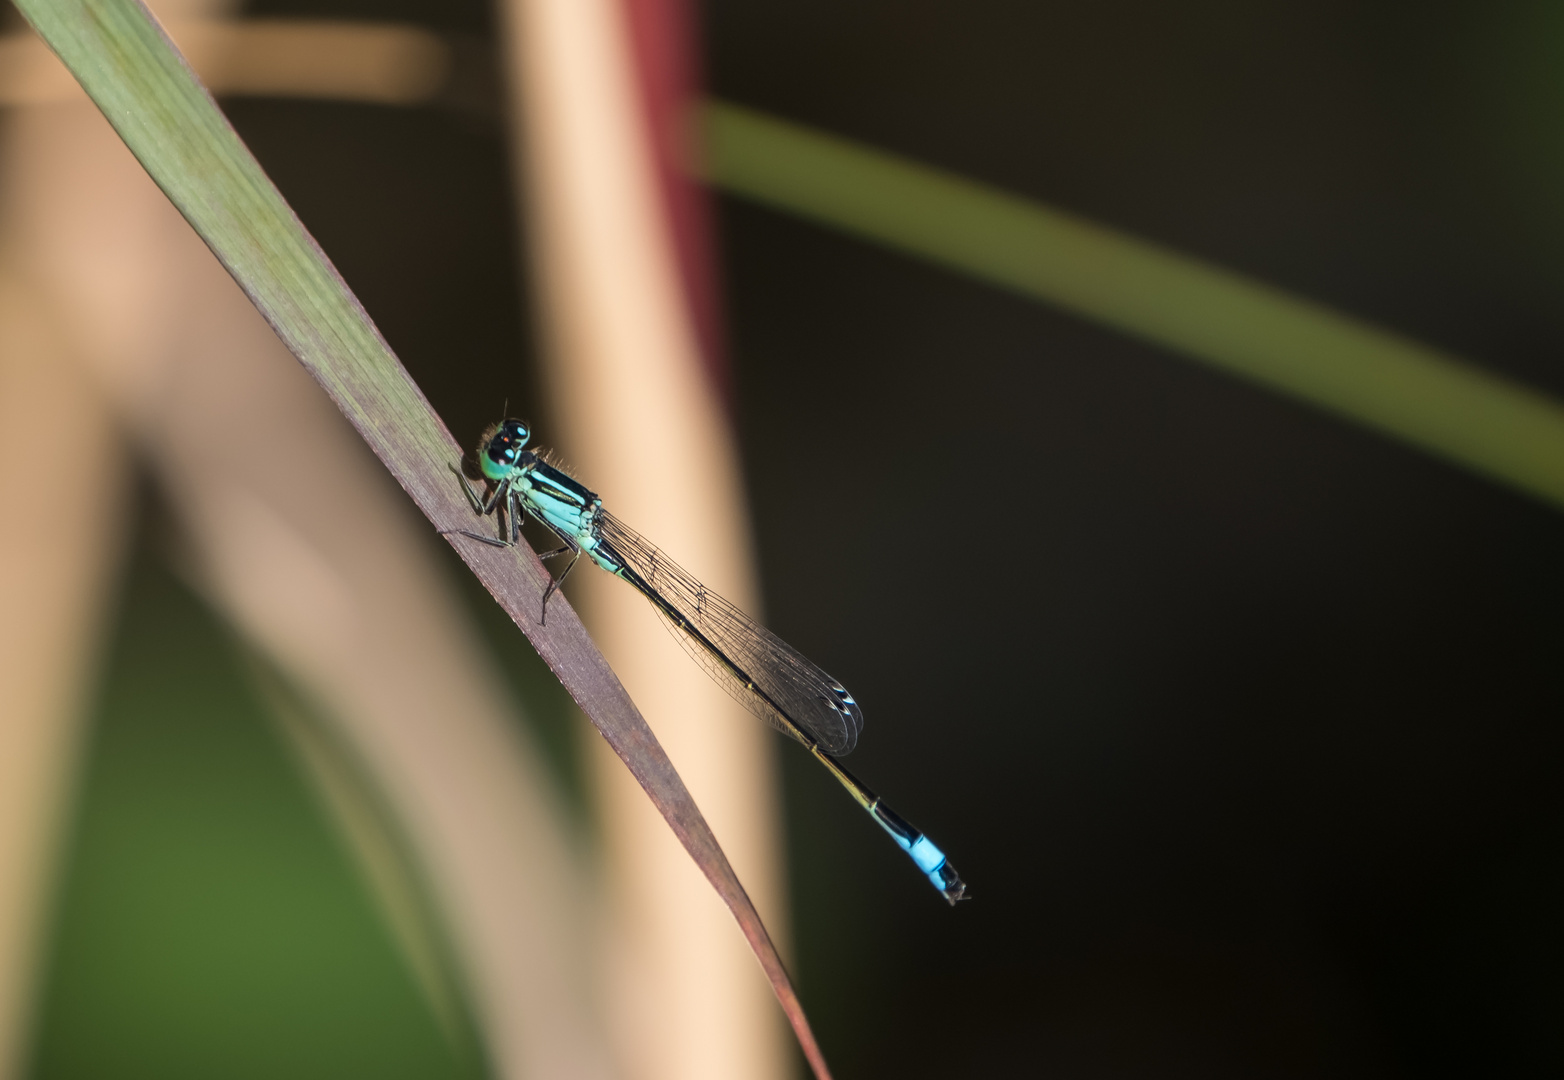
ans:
(209, 922)
(1436, 402)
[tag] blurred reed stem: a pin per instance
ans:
(1494, 427)
(632, 401)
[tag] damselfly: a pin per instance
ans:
(765, 674)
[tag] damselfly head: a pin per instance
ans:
(501, 448)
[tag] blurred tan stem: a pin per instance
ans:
(55, 428)
(384, 63)
(302, 538)
(634, 411)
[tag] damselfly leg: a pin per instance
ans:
(485, 507)
(506, 503)
(555, 583)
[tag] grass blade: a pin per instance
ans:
(124, 61)
(1438, 403)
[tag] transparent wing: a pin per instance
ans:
(762, 672)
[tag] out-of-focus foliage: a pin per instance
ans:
(1497, 428)
(210, 923)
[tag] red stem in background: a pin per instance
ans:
(667, 68)
(667, 73)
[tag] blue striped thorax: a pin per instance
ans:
(562, 502)
(557, 499)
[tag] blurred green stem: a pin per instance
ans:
(1436, 402)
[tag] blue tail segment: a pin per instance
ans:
(930, 859)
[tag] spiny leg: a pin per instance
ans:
(514, 516)
(520, 510)
(554, 584)
(483, 508)
(472, 496)
(517, 513)
(480, 506)
(476, 536)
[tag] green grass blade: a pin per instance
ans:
(121, 57)
(1440, 404)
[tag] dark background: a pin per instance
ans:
(1241, 722)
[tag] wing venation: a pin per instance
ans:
(792, 691)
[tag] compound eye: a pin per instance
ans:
(516, 430)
